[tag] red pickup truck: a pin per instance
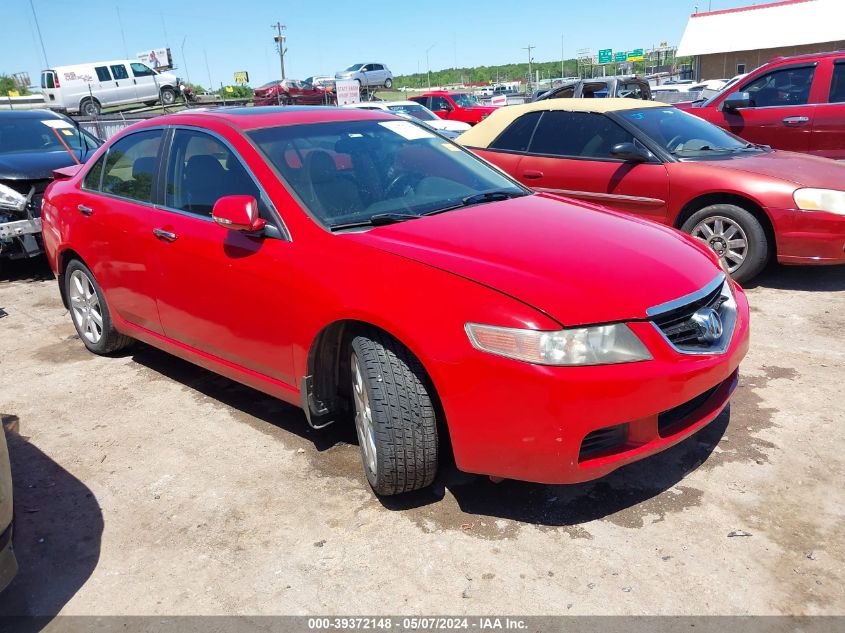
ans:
(455, 106)
(791, 103)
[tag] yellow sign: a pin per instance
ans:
(14, 93)
(242, 77)
(230, 89)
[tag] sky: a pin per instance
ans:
(212, 39)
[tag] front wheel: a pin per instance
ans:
(89, 311)
(168, 96)
(736, 236)
(394, 414)
(388, 83)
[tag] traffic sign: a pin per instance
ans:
(621, 56)
(605, 55)
(242, 77)
(635, 55)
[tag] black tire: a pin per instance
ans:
(168, 96)
(150, 104)
(756, 253)
(110, 339)
(404, 421)
(89, 107)
(388, 83)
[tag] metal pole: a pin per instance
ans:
(208, 70)
(185, 61)
(528, 48)
(562, 74)
(428, 65)
(280, 39)
(38, 28)
(122, 34)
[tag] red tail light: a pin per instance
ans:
(56, 80)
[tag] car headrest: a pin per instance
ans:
(321, 167)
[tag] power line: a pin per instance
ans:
(41, 39)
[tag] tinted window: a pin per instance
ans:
(439, 103)
(518, 134)
(201, 170)
(103, 73)
(349, 171)
(740, 68)
(581, 134)
(376, 67)
(837, 84)
(789, 86)
(19, 135)
(92, 178)
(119, 71)
(48, 80)
(140, 70)
(131, 165)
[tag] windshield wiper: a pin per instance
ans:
(379, 219)
(480, 198)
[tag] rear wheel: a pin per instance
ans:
(394, 414)
(89, 311)
(90, 107)
(388, 83)
(736, 236)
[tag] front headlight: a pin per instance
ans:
(598, 345)
(11, 199)
(829, 200)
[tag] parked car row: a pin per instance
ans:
(412, 109)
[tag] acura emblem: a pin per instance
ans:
(709, 325)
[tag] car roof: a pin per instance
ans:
(251, 118)
(30, 114)
(485, 132)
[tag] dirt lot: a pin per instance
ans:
(145, 485)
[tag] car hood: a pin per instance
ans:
(801, 169)
(33, 165)
(578, 263)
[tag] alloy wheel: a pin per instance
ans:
(726, 237)
(85, 307)
(363, 416)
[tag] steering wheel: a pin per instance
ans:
(400, 184)
(674, 143)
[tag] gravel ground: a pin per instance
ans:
(145, 485)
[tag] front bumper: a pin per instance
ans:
(562, 424)
(810, 237)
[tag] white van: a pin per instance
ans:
(87, 88)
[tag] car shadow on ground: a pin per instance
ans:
(57, 533)
(804, 278)
(34, 269)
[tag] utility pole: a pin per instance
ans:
(184, 61)
(41, 39)
(562, 74)
(280, 41)
(428, 65)
(529, 48)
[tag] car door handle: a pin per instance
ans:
(167, 236)
(796, 120)
(532, 175)
(84, 210)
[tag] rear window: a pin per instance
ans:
(119, 71)
(517, 136)
(48, 80)
(837, 84)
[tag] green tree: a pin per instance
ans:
(7, 84)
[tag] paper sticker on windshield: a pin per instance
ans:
(58, 124)
(67, 132)
(407, 130)
(451, 147)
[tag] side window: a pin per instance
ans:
(119, 71)
(377, 67)
(103, 73)
(518, 134)
(92, 178)
(577, 134)
(785, 87)
(201, 170)
(131, 165)
(439, 103)
(140, 70)
(740, 69)
(837, 84)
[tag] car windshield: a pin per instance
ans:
(356, 173)
(417, 111)
(39, 135)
(685, 135)
(465, 100)
(354, 67)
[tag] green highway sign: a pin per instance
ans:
(635, 55)
(621, 56)
(605, 55)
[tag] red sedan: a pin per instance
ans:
(748, 202)
(366, 269)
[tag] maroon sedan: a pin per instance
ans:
(292, 92)
(748, 202)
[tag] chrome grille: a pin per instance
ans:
(684, 322)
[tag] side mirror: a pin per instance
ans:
(447, 107)
(737, 100)
(629, 152)
(238, 213)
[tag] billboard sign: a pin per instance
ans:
(347, 91)
(621, 56)
(242, 77)
(636, 55)
(156, 58)
(605, 55)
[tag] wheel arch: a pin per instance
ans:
(750, 205)
(64, 258)
(88, 98)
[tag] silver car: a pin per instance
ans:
(368, 75)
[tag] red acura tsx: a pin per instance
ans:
(364, 268)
